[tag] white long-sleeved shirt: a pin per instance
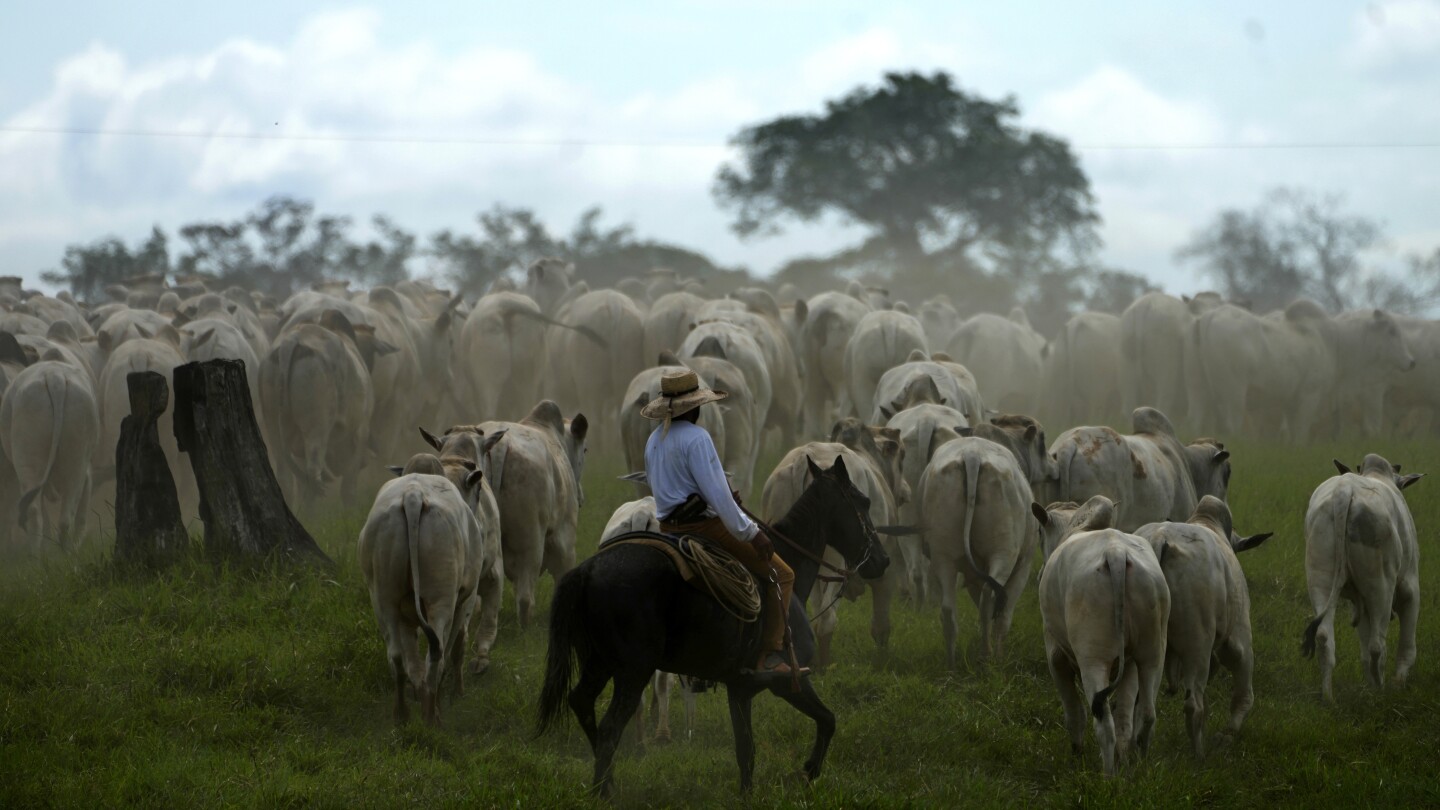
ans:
(684, 462)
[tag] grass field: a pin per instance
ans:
(205, 687)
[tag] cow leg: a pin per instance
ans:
(1407, 604)
(1236, 656)
(1093, 678)
(1197, 674)
(1370, 626)
(826, 622)
(945, 570)
(629, 690)
(985, 606)
(689, 695)
(397, 668)
(740, 699)
(1325, 647)
(492, 592)
(809, 704)
(1063, 672)
(882, 593)
(1124, 701)
(1150, 675)
(663, 682)
(525, 576)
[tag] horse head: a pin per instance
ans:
(846, 519)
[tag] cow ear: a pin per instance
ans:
(202, 338)
(396, 469)
(814, 468)
(143, 332)
(1220, 457)
(430, 438)
(965, 431)
(579, 426)
(886, 412)
(468, 464)
(888, 449)
(1396, 467)
(1040, 514)
(473, 480)
(1339, 466)
(1252, 542)
(1407, 480)
(491, 440)
(1030, 431)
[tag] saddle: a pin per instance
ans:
(703, 566)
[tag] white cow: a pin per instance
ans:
(535, 473)
(1149, 474)
(830, 320)
(727, 341)
(923, 429)
(1105, 608)
(587, 375)
(1155, 342)
(1004, 354)
(500, 358)
(742, 435)
(1209, 611)
(1082, 370)
(669, 320)
(1360, 544)
(882, 340)
(976, 507)
(919, 380)
(759, 317)
(1285, 368)
(421, 553)
(49, 428)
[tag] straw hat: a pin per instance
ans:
(680, 393)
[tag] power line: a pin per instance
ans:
(642, 144)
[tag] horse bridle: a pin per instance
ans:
(872, 539)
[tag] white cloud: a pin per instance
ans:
(1397, 33)
(1112, 107)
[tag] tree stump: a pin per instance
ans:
(148, 530)
(245, 514)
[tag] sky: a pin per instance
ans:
(432, 112)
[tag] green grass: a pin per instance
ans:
(206, 687)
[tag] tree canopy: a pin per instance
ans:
(932, 172)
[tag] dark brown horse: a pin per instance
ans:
(626, 613)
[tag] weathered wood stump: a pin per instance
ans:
(245, 514)
(148, 530)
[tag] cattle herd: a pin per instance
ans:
(936, 417)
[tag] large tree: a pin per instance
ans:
(935, 174)
(1295, 243)
(88, 269)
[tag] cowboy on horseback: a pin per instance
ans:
(692, 497)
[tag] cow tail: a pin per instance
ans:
(1341, 517)
(1063, 460)
(57, 394)
(972, 487)
(414, 507)
(1116, 560)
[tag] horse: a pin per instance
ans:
(626, 613)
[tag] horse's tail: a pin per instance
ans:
(566, 614)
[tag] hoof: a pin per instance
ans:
(479, 666)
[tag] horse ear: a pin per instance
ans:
(430, 438)
(838, 468)
(814, 468)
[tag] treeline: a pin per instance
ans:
(285, 245)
